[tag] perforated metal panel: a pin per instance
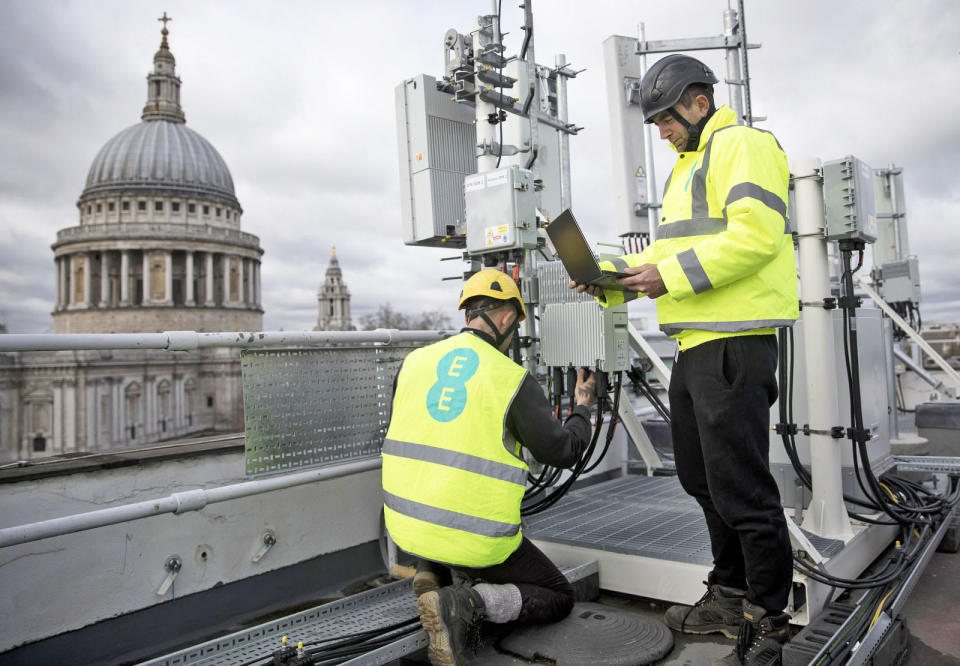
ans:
(309, 407)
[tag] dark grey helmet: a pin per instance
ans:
(667, 79)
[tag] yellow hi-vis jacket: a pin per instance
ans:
(723, 248)
(453, 478)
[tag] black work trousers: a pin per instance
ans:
(720, 397)
(546, 594)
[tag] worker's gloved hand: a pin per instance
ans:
(586, 391)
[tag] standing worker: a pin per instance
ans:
(724, 275)
(454, 477)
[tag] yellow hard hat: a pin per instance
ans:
(495, 284)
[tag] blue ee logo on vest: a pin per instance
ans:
(447, 398)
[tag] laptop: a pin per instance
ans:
(576, 256)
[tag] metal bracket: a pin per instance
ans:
(172, 566)
(631, 89)
(269, 540)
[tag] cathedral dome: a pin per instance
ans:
(159, 245)
(160, 155)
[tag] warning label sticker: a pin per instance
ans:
(497, 235)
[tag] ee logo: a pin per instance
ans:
(447, 398)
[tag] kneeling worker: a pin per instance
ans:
(454, 477)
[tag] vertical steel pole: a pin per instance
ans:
(744, 51)
(827, 515)
(561, 62)
(528, 269)
(734, 82)
(652, 202)
(485, 33)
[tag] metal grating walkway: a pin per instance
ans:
(649, 516)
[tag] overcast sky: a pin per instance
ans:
(298, 98)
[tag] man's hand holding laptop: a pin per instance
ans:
(644, 279)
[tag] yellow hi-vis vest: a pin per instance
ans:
(723, 248)
(453, 478)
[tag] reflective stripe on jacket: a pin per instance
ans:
(723, 248)
(453, 478)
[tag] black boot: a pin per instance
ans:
(720, 610)
(761, 638)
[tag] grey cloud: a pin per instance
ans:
(299, 101)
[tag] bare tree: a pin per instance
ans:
(387, 317)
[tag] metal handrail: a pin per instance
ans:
(177, 503)
(191, 340)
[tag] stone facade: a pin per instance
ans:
(158, 248)
(65, 402)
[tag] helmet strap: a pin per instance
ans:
(694, 130)
(499, 338)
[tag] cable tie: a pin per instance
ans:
(858, 436)
(786, 428)
(848, 302)
(828, 303)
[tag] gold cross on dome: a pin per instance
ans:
(164, 18)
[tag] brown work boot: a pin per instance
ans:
(719, 610)
(761, 638)
(452, 617)
(425, 581)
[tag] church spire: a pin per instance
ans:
(163, 84)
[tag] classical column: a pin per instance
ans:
(104, 279)
(226, 279)
(69, 415)
(146, 278)
(188, 278)
(87, 264)
(256, 273)
(116, 385)
(125, 277)
(61, 283)
(168, 282)
(249, 290)
(208, 300)
(177, 401)
(69, 267)
(56, 437)
(93, 415)
(149, 416)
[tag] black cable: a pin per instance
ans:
(638, 377)
(345, 638)
(611, 426)
(546, 502)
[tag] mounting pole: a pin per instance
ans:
(827, 515)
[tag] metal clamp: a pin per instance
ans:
(269, 539)
(172, 566)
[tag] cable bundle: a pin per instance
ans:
(549, 476)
